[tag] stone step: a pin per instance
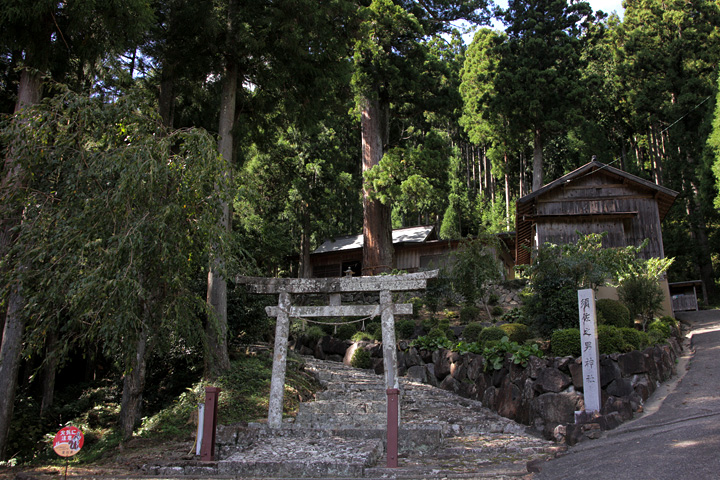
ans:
(357, 406)
(357, 420)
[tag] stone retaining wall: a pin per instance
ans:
(544, 395)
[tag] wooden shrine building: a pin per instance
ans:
(595, 198)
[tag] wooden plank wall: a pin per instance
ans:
(600, 195)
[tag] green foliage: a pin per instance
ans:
(417, 304)
(469, 313)
(474, 267)
(491, 333)
(362, 337)
(663, 329)
(123, 215)
(612, 312)
(314, 334)
(361, 359)
(643, 297)
(497, 311)
(346, 331)
(496, 354)
(610, 340)
(434, 340)
(515, 315)
(471, 332)
(404, 329)
(517, 332)
(566, 342)
(634, 338)
(558, 271)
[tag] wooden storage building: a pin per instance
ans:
(416, 249)
(595, 198)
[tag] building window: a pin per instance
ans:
(327, 271)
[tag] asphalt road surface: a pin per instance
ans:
(678, 436)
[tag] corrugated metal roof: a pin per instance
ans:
(401, 235)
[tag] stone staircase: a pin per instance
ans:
(342, 435)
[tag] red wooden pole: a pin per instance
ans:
(207, 450)
(392, 427)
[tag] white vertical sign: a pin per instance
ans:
(590, 352)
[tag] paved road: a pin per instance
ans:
(679, 435)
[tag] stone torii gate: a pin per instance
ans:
(334, 287)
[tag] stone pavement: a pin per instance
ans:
(342, 433)
(679, 435)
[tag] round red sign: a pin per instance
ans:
(68, 441)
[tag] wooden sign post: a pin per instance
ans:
(590, 351)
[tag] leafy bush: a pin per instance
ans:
(434, 340)
(514, 315)
(471, 333)
(643, 297)
(405, 328)
(313, 334)
(474, 266)
(566, 342)
(444, 325)
(662, 328)
(667, 319)
(346, 331)
(517, 332)
(361, 359)
(497, 311)
(613, 313)
(428, 324)
(417, 304)
(520, 354)
(374, 329)
(469, 313)
(490, 334)
(634, 338)
(610, 340)
(362, 337)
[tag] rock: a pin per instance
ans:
(490, 397)
(417, 373)
(459, 369)
(509, 399)
(562, 363)
(577, 375)
(475, 366)
(442, 363)
(631, 363)
(620, 405)
(609, 371)
(450, 384)
(610, 421)
(556, 408)
(551, 380)
(620, 387)
(333, 346)
(535, 365)
(535, 466)
(643, 386)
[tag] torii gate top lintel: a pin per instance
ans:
(393, 283)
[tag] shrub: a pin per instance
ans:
(374, 329)
(361, 359)
(417, 304)
(362, 337)
(469, 313)
(313, 334)
(610, 340)
(491, 334)
(517, 332)
(444, 325)
(662, 328)
(497, 311)
(428, 324)
(643, 297)
(635, 339)
(613, 313)
(566, 342)
(404, 329)
(471, 333)
(514, 315)
(667, 319)
(346, 331)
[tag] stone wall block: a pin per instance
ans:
(620, 405)
(459, 369)
(576, 374)
(418, 373)
(609, 371)
(476, 364)
(490, 397)
(450, 384)
(631, 363)
(563, 363)
(535, 365)
(442, 363)
(551, 380)
(620, 387)
(509, 399)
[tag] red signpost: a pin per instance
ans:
(207, 449)
(67, 442)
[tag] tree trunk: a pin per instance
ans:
(508, 227)
(133, 385)
(166, 100)
(49, 370)
(537, 161)
(377, 224)
(29, 93)
(305, 270)
(217, 359)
